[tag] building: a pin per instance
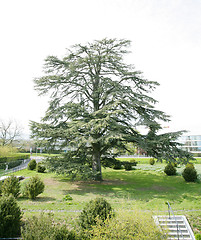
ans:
(191, 143)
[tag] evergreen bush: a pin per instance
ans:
(43, 227)
(40, 168)
(151, 161)
(128, 166)
(117, 165)
(10, 217)
(98, 208)
(33, 187)
(170, 169)
(189, 174)
(190, 165)
(198, 236)
(11, 185)
(32, 165)
(134, 162)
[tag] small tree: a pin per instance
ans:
(11, 185)
(10, 217)
(32, 165)
(189, 174)
(33, 187)
(170, 169)
(97, 208)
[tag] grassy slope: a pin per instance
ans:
(146, 188)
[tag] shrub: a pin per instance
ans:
(128, 166)
(67, 198)
(33, 187)
(11, 185)
(151, 161)
(136, 226)
(189, 174)
(40, 168)
(117, 165)
(198, 236)
(98, 208)
(10, 217)
(133, 161)
(174, 164)
(190, 165)
(170, 169)
(32, 165)
(42, 227)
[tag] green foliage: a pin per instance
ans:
(73, 164)
(67, 198)
(130, 226)
(127, 166)
(33, 187)
(96, 101)
(190, 165)
(10, 217)
(43, 228)
(98, 208)
(117, 165)
(134, 162)
(40, 168)
(11, 185)
(151, 161)
(189, 174)
(170, 169)
(198, 236)
(32, 165)
(7, 151)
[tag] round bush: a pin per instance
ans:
(32, 165)
(133, 161)
(117, 165)
(40, 168)
(189, 174)
(33, 187)
(11, 185)
(151, 161)
(170, 169)
(198, 236)
(10, 217)
(96, 210)
(128, 166)
(190, 165)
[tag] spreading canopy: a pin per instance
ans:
(96, 103)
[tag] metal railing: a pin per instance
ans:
(170, 211)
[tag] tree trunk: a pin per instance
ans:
(96, 163)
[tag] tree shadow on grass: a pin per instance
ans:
(144, 187)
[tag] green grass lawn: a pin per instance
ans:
(146, 188)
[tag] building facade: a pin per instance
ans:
(191, 143)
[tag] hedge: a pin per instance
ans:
(12, 161)
(14, 157)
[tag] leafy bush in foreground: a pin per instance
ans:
(10, 217)
(170, 169)
(42, 227)
(97, 208)
(11, 185)
(130, 225)
(33, 187)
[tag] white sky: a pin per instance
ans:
(166, 47)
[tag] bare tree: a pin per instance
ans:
(9, 131)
